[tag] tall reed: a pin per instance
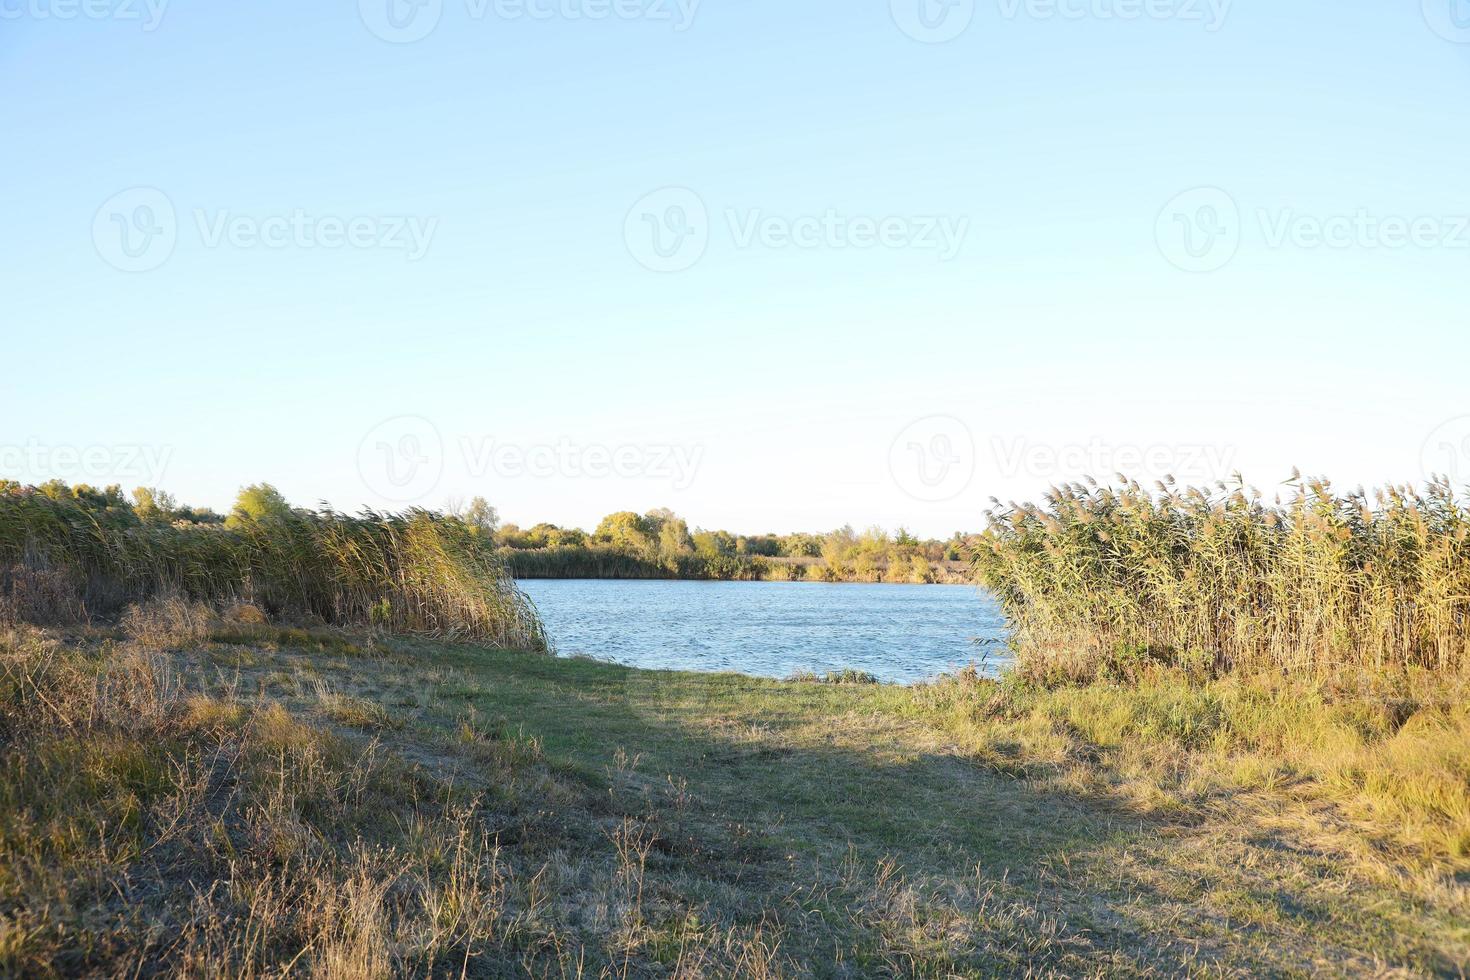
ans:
(417, 572)
(1221, 580)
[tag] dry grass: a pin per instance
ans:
(245, 614)
(268, 801)
(33, 592)
(152, 823)
(160, 624)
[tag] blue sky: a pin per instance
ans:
(899, 274)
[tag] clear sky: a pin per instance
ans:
(774, 265)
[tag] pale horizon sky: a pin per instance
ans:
(776, 267)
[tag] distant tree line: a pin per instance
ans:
(655, 545)
(660, 544)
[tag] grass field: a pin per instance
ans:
(193, 795)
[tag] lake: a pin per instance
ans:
(900, 633)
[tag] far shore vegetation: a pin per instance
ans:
(659, 544)
(278, 742)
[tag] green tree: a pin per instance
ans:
(673, 539)
(154, 506)
(801, 546)
(57, 490)
(258, 502)
(714, 544)
(629, 532)
(482, 516)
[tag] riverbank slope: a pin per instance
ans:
(188, 794)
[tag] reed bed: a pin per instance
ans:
(1220, 581)
(416, 572)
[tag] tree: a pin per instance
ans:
(673, 538)
(482, 516)
(801, 546)
(258, 502)
(56, 490)
(565, 537)
(629, 532)
(714, 544)
(154, 506)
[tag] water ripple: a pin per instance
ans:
(900, 633)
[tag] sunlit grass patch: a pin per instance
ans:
(1171, 741)
(354, 712)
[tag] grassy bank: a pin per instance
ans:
(190, 794)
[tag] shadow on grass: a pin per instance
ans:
(839, 807)
(814, 780)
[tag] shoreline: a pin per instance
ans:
(582, 563)
(726, 581)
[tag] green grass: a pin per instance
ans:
(369, 807)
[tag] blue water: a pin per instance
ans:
(901, 633)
